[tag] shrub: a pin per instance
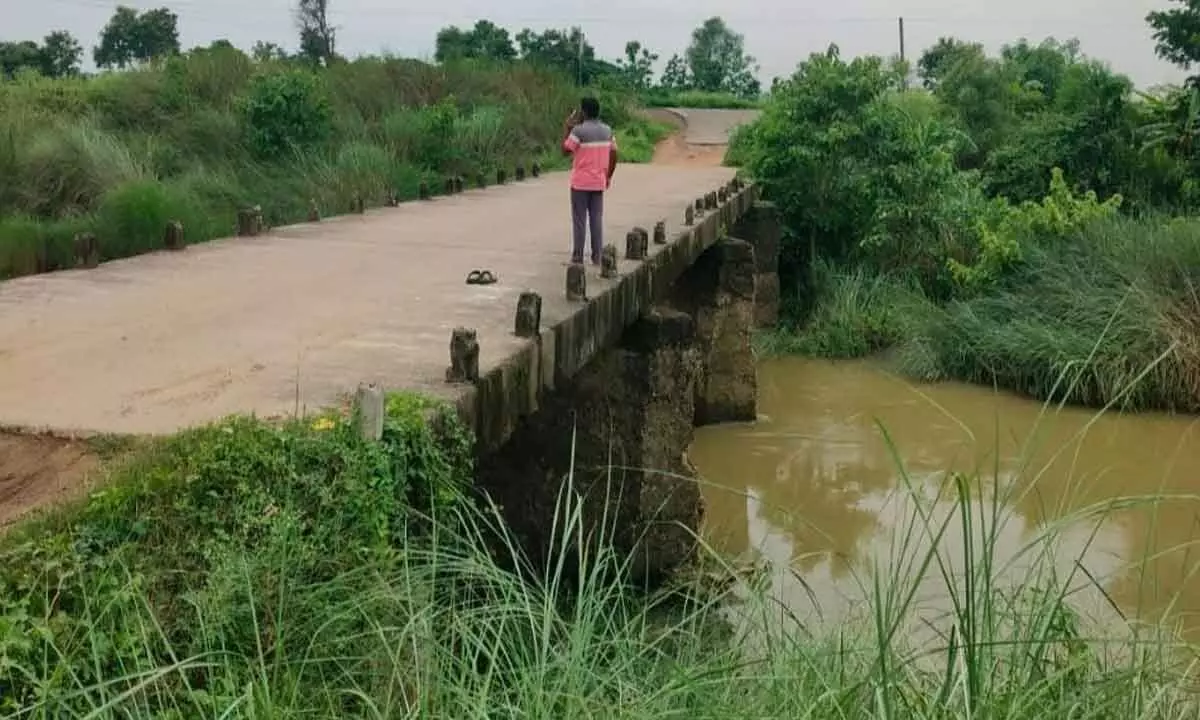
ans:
(286, 111)
(133, 217)
(196, 543)
(66, 169)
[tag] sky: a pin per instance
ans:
(779, 33)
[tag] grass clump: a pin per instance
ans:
(638, 139)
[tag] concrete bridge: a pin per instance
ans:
(295, 318)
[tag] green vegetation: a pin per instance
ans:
(699, 99)
(250, 571)
(1007, 224)
(197, 548)
(1022, 221)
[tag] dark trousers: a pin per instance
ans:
(587, 212)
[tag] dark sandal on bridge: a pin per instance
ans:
(480, 277)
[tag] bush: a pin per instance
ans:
(638, 140)
(204, 535)
(869, 174)
(285, 112)
(133, 217)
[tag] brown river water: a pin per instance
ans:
(819, 493)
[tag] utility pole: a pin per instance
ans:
(579, 61)
(904, 82)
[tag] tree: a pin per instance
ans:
(18, 56)
(485, 41)
(1177, 34)
(1042, 67)
(317, 36)
(861, 172)
(287, 110)
(567, 51)
(717, 60)
(638, 65)
(129, 37)
(675, 76)
(267, 51)
(938, 60)
(61, 54)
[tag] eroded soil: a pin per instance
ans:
(39, 470)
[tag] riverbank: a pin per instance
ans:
(1103, 317)
(249, 570)
(1010, 248)
(202, 135)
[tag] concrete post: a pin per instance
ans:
(464, 356)
(576, 283)
(608, 261)
(763, 228)
(250, 221)
(173, 238)
(368, 406)
(529, 315)
(87, 250)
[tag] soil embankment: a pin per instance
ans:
(38, 470)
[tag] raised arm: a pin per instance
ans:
(570, 141)
(612, 159)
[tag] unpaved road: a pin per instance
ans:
(292, 319)
(712, 127)
(703, 136)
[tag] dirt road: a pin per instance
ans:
(703, 136)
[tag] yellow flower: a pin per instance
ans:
(323, 424)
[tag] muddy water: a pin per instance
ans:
(850, 466)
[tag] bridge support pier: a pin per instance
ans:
(762, 228)
(625, 421)
(719, 291)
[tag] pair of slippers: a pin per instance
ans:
(480, 277)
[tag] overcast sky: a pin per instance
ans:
(778, 32)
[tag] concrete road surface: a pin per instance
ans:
(296, 318)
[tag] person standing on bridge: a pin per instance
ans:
(593, 148)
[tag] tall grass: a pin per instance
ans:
(294, 617)
(1114, 308)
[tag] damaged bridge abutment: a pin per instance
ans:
(601, 458)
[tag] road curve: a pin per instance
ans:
(711, 127)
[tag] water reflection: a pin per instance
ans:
(816, 488)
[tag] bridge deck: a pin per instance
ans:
(295, 318)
